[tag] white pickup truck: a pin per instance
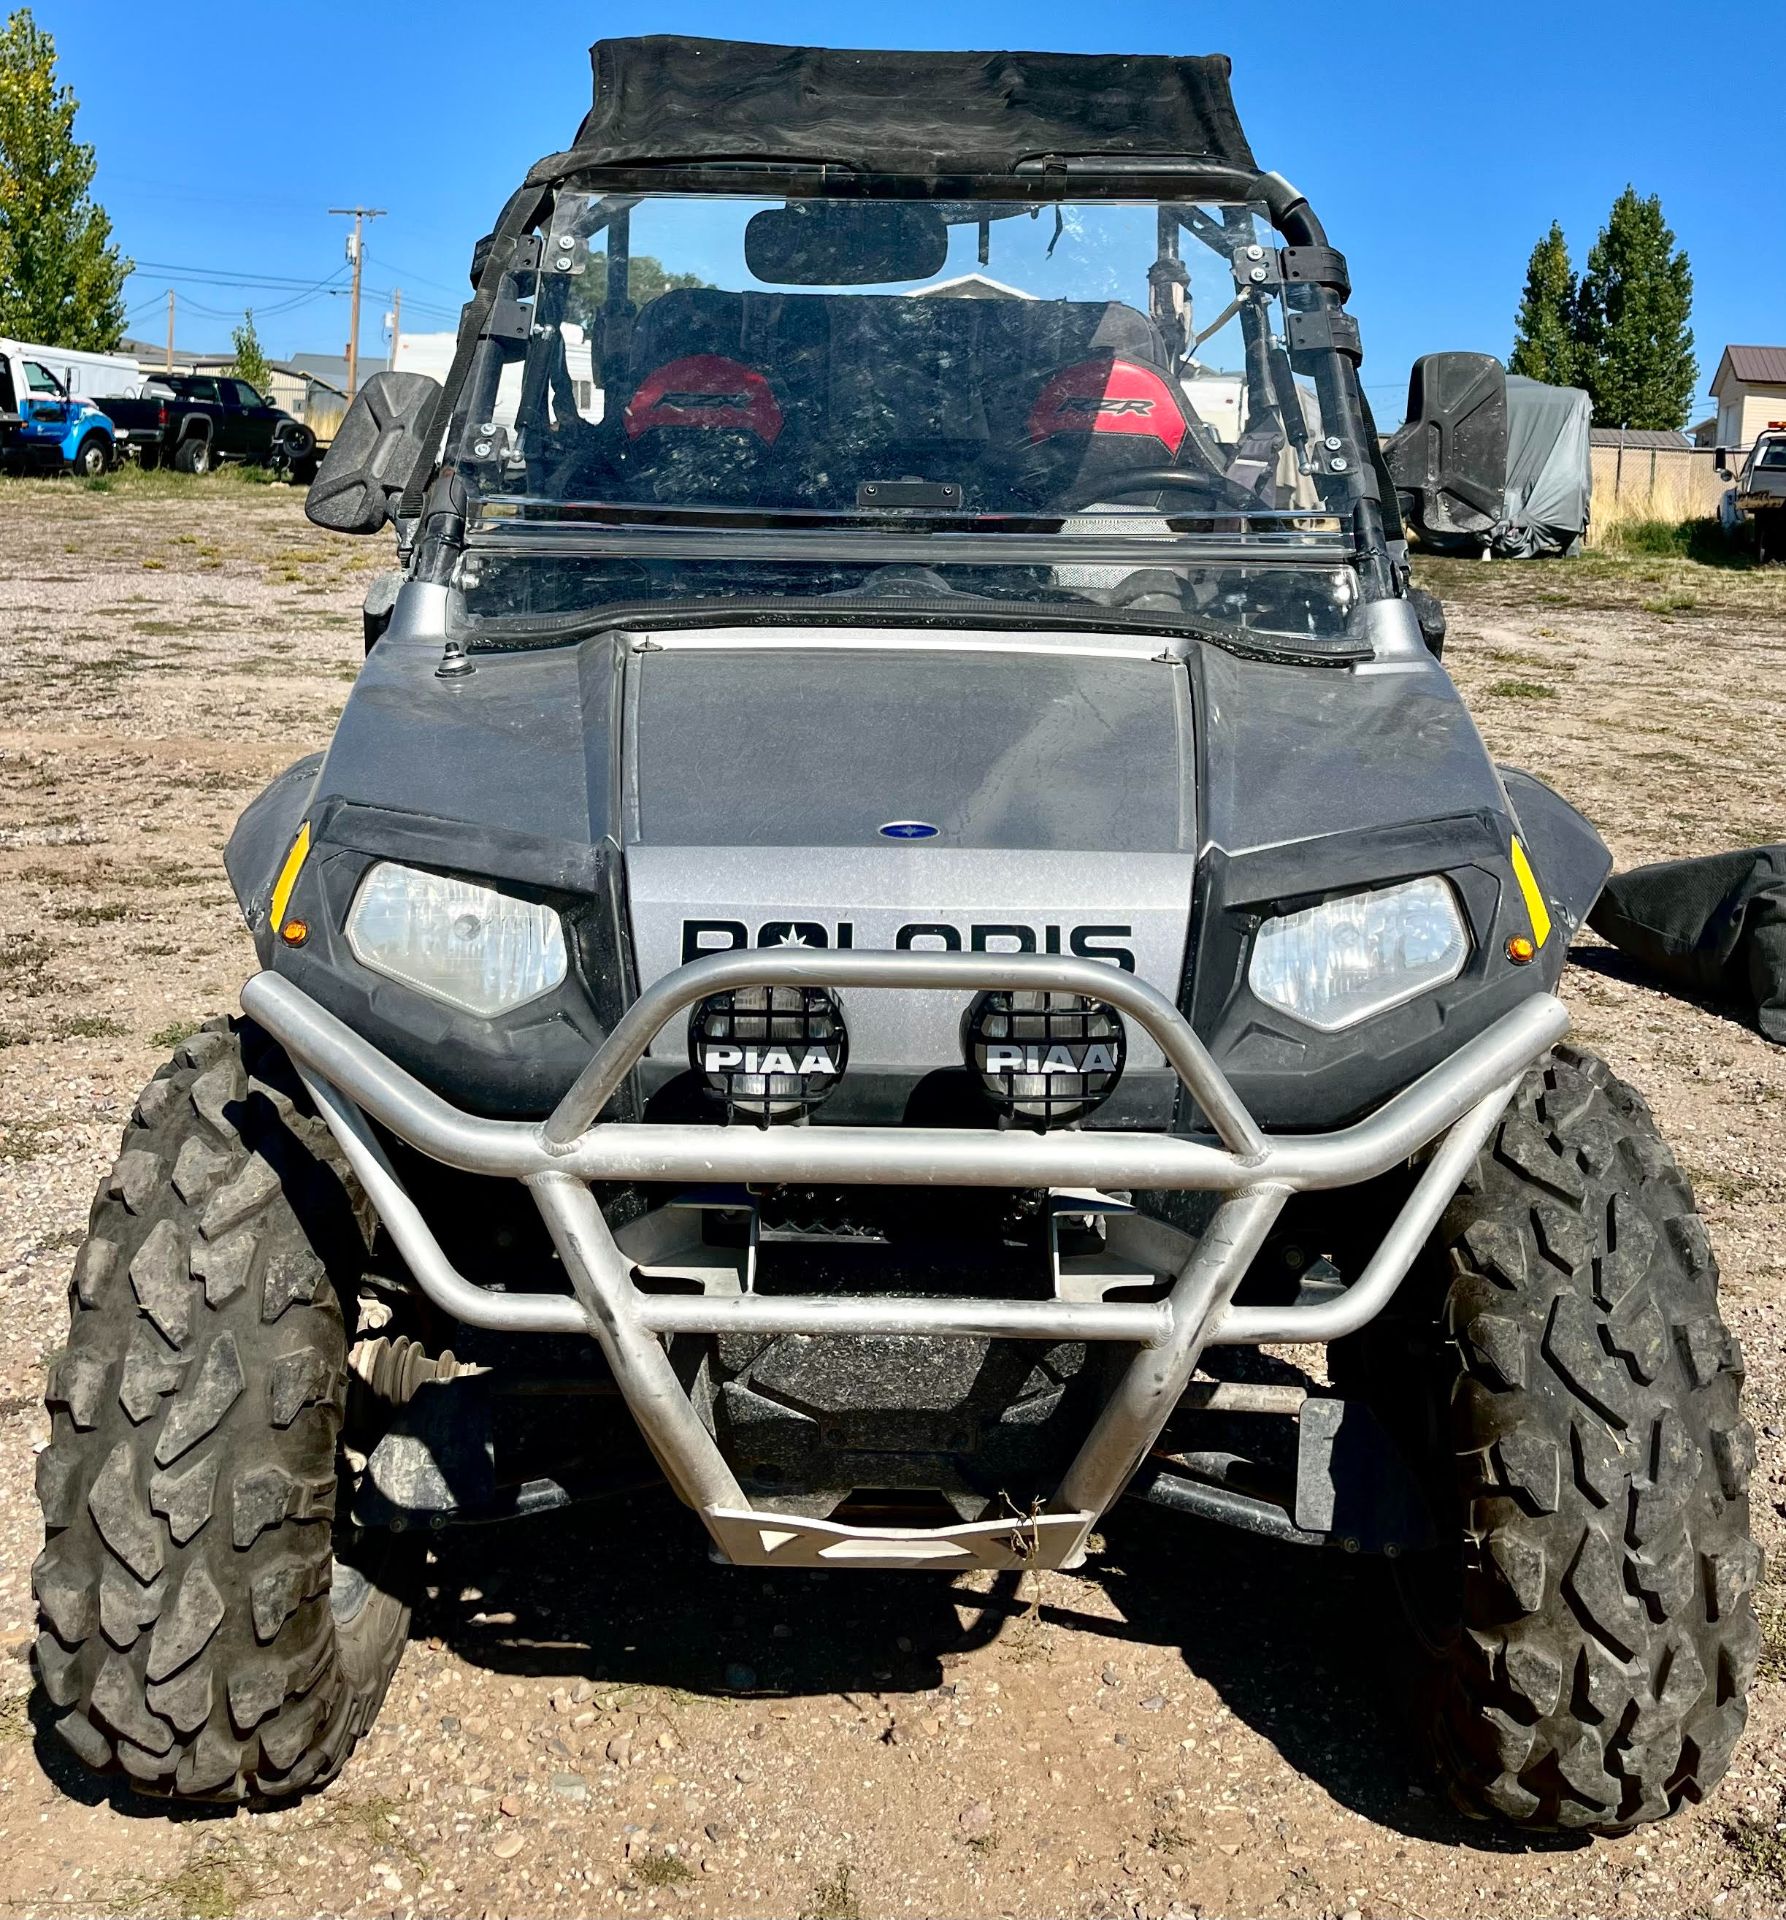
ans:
(1758, 495)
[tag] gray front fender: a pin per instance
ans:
(262, 837)
(1568, 857)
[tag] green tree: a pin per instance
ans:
(251, 363)
(1544, 329)
(61, 278)
(646, 278)
(1636, 297)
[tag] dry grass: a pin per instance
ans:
(1674, 486)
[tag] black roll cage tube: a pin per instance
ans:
(1368, 496)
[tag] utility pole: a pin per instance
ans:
(355, 253)
(170, 329)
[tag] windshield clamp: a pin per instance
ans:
(509, 320)
(1326, 330)
(1316, 267)
(910, 496)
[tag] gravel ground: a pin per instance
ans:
(1192, 1724)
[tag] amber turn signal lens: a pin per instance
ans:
(295, 932)
(1521, 951)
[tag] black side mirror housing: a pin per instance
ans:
(1449, 461)
(374, 452)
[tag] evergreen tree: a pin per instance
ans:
(61, 279)
(1544, 337)
(251, 363)
(646, 278)
(1636, 348)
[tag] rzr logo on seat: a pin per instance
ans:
(1087, 403)
(692, 402)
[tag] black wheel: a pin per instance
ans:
(91, 458)
(193, 455)
(1560, 1370)
(205, 1625)
(298, 443)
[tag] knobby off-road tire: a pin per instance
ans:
(1587, 1632)
(187, 1631)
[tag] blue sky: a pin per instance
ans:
(1436, 147)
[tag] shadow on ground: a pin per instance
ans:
(1302, 1644)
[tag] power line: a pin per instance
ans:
(408, 273)
(228, 276)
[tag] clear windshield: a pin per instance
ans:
(719, 399)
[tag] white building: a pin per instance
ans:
(432, 354)
(1750, 389)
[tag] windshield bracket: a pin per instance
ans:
(1316, 267)
(1326, 330)
(508, 319)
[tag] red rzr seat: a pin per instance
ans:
(1111, 396)
(1099, 419)
(706, 391)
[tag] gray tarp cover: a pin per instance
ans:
(1717, 925)
(1549, 475)
(663, 97)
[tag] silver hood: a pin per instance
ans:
(885, 790)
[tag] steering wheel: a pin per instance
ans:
(1228, 493)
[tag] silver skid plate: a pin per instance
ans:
(748, 1539)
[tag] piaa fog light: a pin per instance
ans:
(772, 1053)
(1044, 1056)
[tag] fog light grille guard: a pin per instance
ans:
(771, 1053)
(1046, 1057)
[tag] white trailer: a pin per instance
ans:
(84, 376)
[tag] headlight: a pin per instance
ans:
(474, 948)
(1336, 964)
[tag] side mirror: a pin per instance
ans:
(1449, 461)
(1725, 471)
(374, 452)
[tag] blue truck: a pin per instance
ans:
(48, 420)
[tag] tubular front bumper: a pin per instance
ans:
(1453, 1110)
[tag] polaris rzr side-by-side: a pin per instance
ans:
(901, 890)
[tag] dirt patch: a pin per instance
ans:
(590, 1717)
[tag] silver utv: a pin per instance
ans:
(903, 877)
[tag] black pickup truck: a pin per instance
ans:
(193, 420)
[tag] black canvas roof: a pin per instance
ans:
(668, 98)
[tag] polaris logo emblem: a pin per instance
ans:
(908, 830)
(1097, 1056)
(721, 1056)
(1093, 941)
